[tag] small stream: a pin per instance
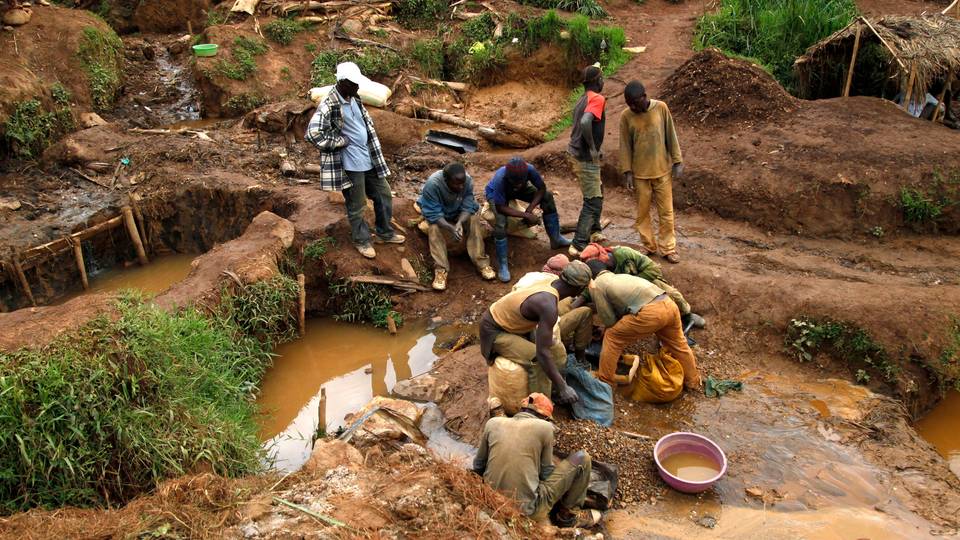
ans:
(161, 273)
(939, 427)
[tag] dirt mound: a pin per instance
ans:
(712, 89)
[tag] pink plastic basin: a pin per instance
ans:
(684, 442)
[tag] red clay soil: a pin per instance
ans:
(714, 90)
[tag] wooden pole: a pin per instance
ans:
(943, 94)
(144, 237)
(23, 279)
(78, 255)
(853, 61)
(134, 235)
(322, 410)
(58, 245)
(908, 93)
(302, 316)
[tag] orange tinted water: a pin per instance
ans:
(690, 466)
(351, 362)
(940, 427)
(151, 279)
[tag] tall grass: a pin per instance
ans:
(774, 32)
(105, 412)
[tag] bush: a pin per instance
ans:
(283, 31)
(807, 337)
(374, 62)
(244, 63)
(99, 54)
(31, 128)
(919, 207)
(589, 8)
(428, 54)
(773, 31)
(105, 412)
(417, 14)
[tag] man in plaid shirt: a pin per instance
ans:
(351, 159)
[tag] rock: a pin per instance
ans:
(425, 387)
(148, 52)
(9, 204)
(17, 17)
(335, 197)
(396, 420)
(329, 454)
(754, 492)
(407, 269)
(91, 119)
(352, 26)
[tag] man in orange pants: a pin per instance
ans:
(632, 308)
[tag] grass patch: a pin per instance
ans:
(420, 14)
(589, 8)
(243, 103)
(99, 53)
(774, 32)
(566, 120)
(31, 128)
(924, 208)
(950, 357)
(374, 62)
(428, 54)
(244, 63)
(362, 302)
(107, 411)
(918, 207)
(318, 248)
(283, 31)
(216, 17)
(806, 337)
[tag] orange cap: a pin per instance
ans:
(539, 403)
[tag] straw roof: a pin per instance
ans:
(929, 44)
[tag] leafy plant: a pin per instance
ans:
(428, 54)
(374, 62)
(807, 337)
(416, 14)
(99, 53)
(216, 17)
(244, 53)
(877, 231)
(30, 127)
(918, 207)
(243, 103)
(773, 31)
(60, 94)
(283, 31)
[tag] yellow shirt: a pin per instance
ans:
(506, 310)
(648, 142)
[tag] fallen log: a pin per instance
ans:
(571, 226)
(339, 34)
(524, 131)
(388, 281)
(510, 140)
(458, 86)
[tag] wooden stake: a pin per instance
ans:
(78, 255)
(322, 410)
(908, 93)
(31, 255)
(391, 325)
(853, 61)
(302, 317)
(23, 279)
(134, 235)
(189, 27)
(144, 237)
(943, 94)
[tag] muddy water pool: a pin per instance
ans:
(350, 363)
(941, 428)
(151, 279)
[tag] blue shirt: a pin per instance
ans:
(356, 156)
(438, 201)
(499, 192)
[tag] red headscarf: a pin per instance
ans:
(556, 264)
(596, 251)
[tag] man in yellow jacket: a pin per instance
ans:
(650, 159)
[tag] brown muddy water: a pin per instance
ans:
(691, 467)
(940, 428)
(161, 273)
(351, 363)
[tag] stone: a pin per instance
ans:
(425, 387)
(17, 17)
(754, 492)
(91, 119)
(352, 26)
(9, 204)
(329, 454)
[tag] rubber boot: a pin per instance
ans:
(504, 270)
(551, 222)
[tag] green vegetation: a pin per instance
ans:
(566, 120)
(589, 8)
(31, 128)
(362, 302)
(99, 53)
(378, 32)
(419, 14)
(105, 412)
(924, 208)
(61, 96)
(216, 17)
(243, 103)
(950, 357)
(774, 32)
(283, 31)
(374, 62)
(428, 54)
(318, 248)
(806, 337)
(244, 63)
(918, 207)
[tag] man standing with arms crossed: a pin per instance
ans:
(589, 121)
(650, 159)
(351, 159)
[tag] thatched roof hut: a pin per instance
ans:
(919, 52)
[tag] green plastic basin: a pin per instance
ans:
(205, 49)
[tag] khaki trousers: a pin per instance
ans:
(440, 239)
(567, 484)
(660, 191)
(575, 328)
(661, 318)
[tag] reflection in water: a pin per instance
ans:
(940, 429)
(151, 279)
(351, 363)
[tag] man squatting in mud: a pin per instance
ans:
(351, 159)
